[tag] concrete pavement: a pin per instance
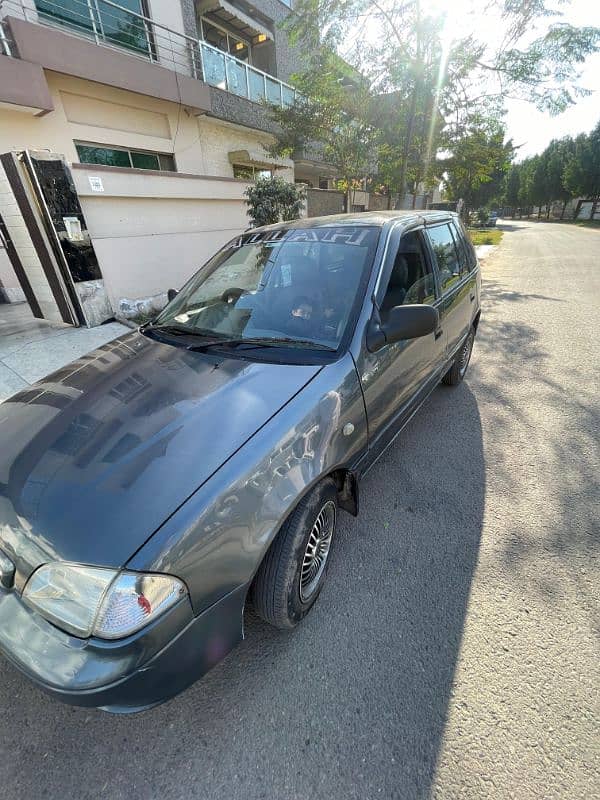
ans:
(32, 348)
(454, 651)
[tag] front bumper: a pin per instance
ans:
(126, 675)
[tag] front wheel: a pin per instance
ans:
(293, 571)
(459, 367)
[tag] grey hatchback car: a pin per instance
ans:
(152, 488)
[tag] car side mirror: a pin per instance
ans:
(172, 294)
(402, 322)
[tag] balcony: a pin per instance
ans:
(122, 29)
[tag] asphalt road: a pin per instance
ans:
(454, 652)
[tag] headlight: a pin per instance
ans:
(91, 601)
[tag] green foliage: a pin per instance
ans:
(329, 121)
(566, 169)
(272, 200)
(582, 171)
(512, 186)
(478, 161)
(493, 236)
(424, 89)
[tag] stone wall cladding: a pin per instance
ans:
(289, 58)
(322, 202)
(241, 111)
(188, 11)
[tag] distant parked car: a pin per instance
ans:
(492, 220)
(152, 487)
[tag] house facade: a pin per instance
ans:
(128, 134)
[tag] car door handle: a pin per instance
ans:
(438, 333)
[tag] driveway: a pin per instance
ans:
(31, 348)
(454, 651)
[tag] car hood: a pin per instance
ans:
(96, 456)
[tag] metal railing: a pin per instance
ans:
(111, 25)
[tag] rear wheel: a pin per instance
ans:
(292, 573)
(458, 370)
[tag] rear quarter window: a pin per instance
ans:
(466, 251)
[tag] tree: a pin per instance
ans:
(512, 188)
(272, 200)
(330, 119)
(409, 55)
(477, 164)
(539, 183)
(526, 192)
(582, 172)
(558, 155)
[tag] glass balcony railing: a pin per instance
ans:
(124, 26)
(229, 73)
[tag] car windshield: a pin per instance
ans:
(297, 287)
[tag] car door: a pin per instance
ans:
(468, 259)
(453, 282)
(395, 377)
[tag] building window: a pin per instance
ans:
(122, 157)
(249, 173)
(116, 25)
(224, 40)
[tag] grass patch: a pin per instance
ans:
(489, 236)
(587, 223)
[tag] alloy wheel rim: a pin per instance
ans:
(317, 551)
(465, 355)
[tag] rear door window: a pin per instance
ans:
(446, 254)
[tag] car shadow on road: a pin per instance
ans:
(355, 698)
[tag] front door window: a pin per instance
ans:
(411, 280)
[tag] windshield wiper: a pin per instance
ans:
(172, 329)
(274, 342)
(209, 341)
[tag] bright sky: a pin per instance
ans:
(534, 130)
(529, 128)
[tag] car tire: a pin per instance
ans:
(293, 571)
(459, 367)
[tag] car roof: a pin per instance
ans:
(373, 218)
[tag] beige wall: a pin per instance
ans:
(151, 232)
(90, 112)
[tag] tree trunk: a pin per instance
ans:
(564, 208)
(539, 212)
(412, 113)
(548, 211)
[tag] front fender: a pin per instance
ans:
(217, 539)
